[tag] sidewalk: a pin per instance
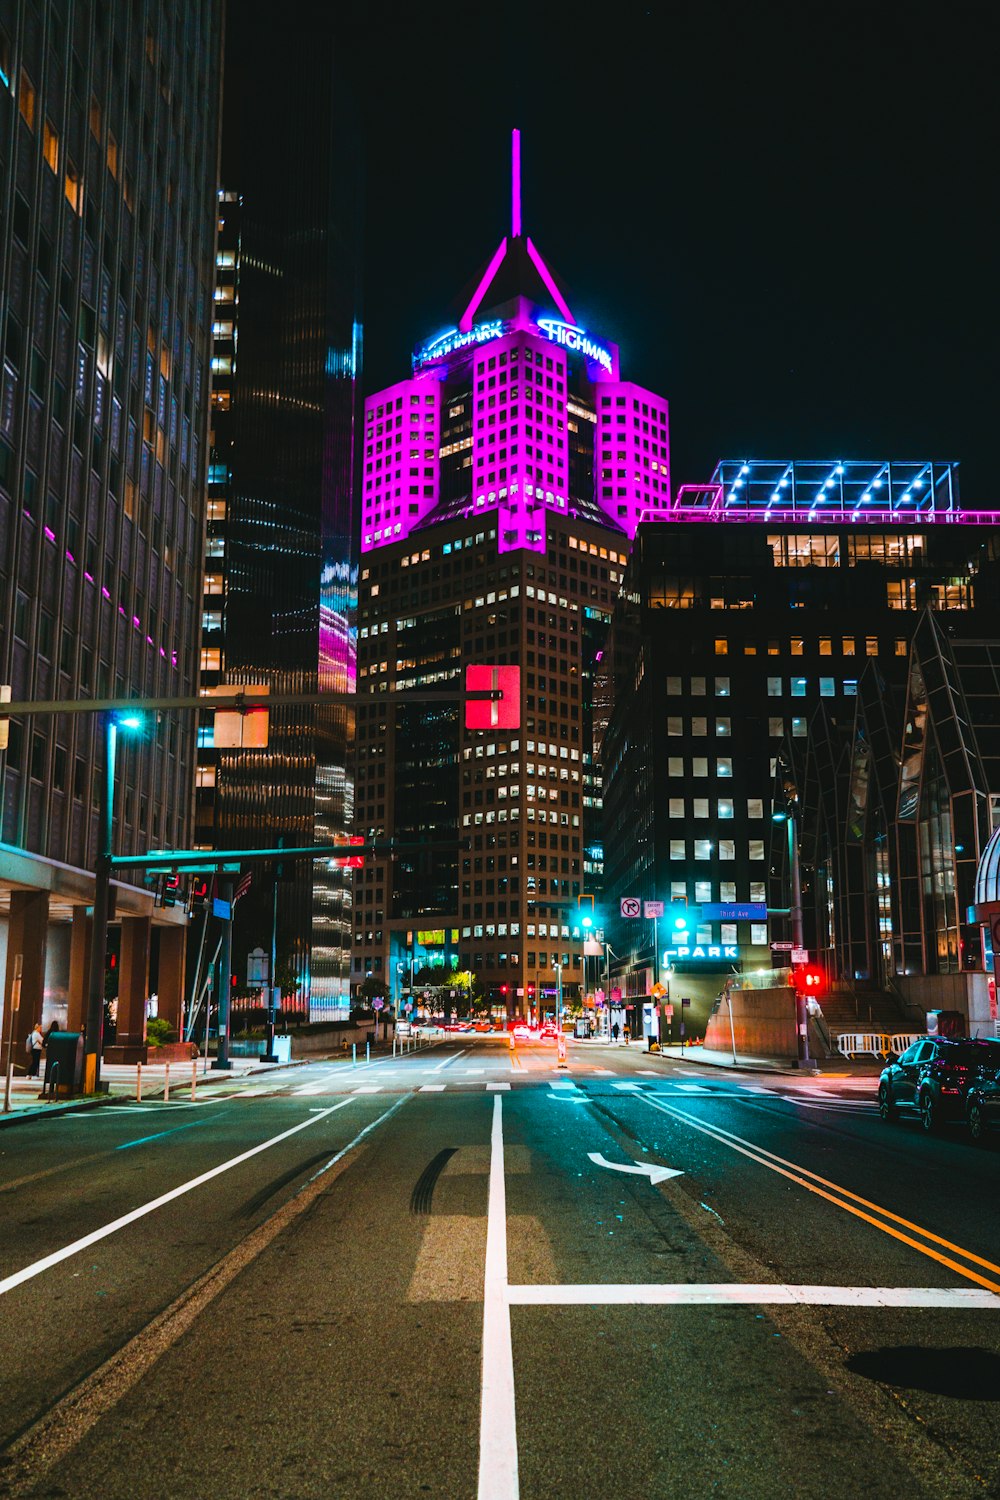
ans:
(26, 1101)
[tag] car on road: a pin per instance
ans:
(548, 1033)
(935, 1076)
(982, 1108)
(403, 1028)
(523, 1033)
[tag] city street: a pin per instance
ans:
(469, 1271)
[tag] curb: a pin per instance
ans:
(49, 1111)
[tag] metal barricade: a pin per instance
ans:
(864, 1044)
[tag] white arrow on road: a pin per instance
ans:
(642, 1169)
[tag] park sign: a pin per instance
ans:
(714, 953)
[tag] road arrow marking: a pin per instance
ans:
(641, 1169)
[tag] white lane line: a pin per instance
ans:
(37, 1267)
(496, 1088)
(692, 1088)
(368, 1088)
(498, 1478)
(432, 1088)
(712, 1293)
(562, 1083)
(449, 1060)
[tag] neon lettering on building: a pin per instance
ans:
(575, 338)
(453, 338)
(728, 951)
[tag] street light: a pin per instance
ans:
(94, 1041)
(787, 815)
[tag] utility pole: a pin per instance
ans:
(94, 1040)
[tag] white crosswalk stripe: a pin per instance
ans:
(368, 1088)
(432, 1088)
(495, 1088)
(692, 1088)
(627, 1087)
(563, 1083)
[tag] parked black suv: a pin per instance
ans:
(934, 1076)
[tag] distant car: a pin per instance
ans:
(522, 1032)
(483, 1026)
(428, 1028)
(935, 1077)
(548, 1032)
(403, 1028)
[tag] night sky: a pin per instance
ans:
(786, 216)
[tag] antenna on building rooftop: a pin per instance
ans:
(515, 184)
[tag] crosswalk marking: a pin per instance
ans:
(563, 1083)
(608, 1072)
(692, 1088)
(496, 1088)
(368, 1088)
(630, 1087)
(649, 1072)
(432, 1088)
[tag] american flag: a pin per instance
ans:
(243, 886)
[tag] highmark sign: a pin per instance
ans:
(717, 952)
(453, 338)
(577, 339)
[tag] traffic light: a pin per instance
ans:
(171, 889)
(809, 979)
(197, 894)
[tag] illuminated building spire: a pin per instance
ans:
(515, 184)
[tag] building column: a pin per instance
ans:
(29, 920)
(79, 969)
(133, 991)
(170, 975)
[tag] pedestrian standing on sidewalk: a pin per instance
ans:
(33, 1047)
(614, 1031)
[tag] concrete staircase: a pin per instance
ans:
(865, 1010)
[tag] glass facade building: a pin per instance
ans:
(109, 119)
(280, 583)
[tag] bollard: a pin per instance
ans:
(166, 1082)
(138, 1083)
(394, 1045)
(367, 1051)
(194, 1077)
(354, 1054)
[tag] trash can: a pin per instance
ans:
(63, 1063)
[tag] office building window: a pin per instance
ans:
(729, 932)
(676, 848)
(871, 645)
(699, 725)
(700, 807)
(727, 848)
(673, 687)
(798, 686)
(721, 646)
(675, 807)
(758, 933)
(727, 890)
(755, 849)
(774, 687)
(723, 727)
(725, 807)
(798, 729)
(703, 890)
(825, 645)
(722, 687)
(757, 891)
(724, 765)
(703, 848)
(678, 890)
(699, 765)
(675, 725)
(755, 807)
(776, 727)
(827, 687)
(847, 645)
(796, 645)
(900, 646)
(675, 765)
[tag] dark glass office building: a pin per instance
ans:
(280, 584)
(108, 172)
(769, 650)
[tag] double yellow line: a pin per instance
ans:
(852, 1203)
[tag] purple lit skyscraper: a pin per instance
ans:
(501, 483)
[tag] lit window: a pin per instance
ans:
(724, 765)
(827, 687)
(699, 725)
(699, 765)
(774, 687)
(848, 645)
(758, 934)
(825, 646)
(675, 807)
(701, 807)
(723, 728)
(675, 765)
(721, 647)
(796, 645)
(50, 145)
(675, 725)
(755, 849)
(673, 687)
(703, 848)
(775, 727)
(727, 849)
(73, 188)
(799, 729)
(26, 100)
(703, 890)
(677, 849)
(798, 687)
(722, 687)
(755, 807)
(871, 645)
(211, 659)
(900, 646)
(205, 776)
(725, 807)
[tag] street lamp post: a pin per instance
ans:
(94, 1041)
(798, 933)
(558, 968)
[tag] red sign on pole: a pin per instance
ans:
(493, 713)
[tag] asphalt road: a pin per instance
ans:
(430, 1276)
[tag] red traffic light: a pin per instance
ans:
(810, 979)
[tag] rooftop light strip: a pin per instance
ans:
(515, 184)
(465, 321)
(550, 285)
